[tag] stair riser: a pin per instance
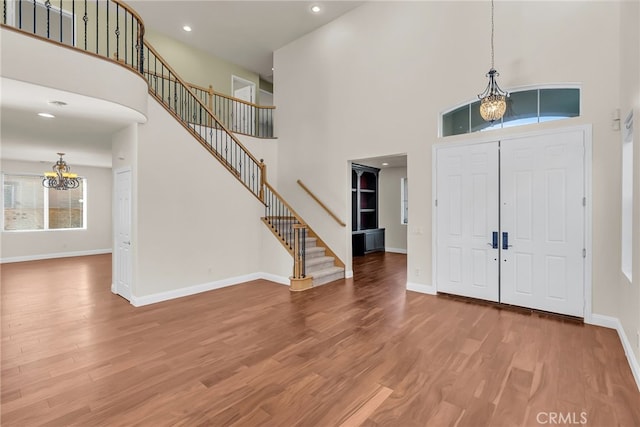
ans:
(328, 279)
(311, 268)
(312, 255)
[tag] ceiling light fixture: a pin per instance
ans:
(385, 164)
(493, 101)
(46, 115)
(315, 9)
(60, 178)
(187, 28)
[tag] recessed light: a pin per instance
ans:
(187, 28)
(46, 115)
(58, 103)
(385, 164)
(315, 9)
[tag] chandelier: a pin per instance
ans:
(60, 178)
(493, 101)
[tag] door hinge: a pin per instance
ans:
(436, 203)
(584, 253)
(584, 201)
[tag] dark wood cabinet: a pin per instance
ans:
(367, 237)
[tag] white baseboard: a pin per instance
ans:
(205, 287)
(274, 278)
(604, 321)
(52, 256)
(423, 289)
(396, 250)
(614, 323)
(348, 274)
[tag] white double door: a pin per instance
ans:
(510, 221)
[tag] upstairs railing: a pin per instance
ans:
(176, 96)
(237, 115)
(106, 28)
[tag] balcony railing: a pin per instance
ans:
(106, 28)
(238, 116)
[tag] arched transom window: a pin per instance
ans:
(523, 107)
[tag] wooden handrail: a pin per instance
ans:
(312, 233)
(133, 12)
(222, 95)
(322, 205)
(186, 85)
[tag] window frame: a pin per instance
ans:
(526, 88)
(46, 205)
(626, 195)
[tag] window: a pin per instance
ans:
(30, 206)
(523, 107)
(404, 207)
(627, 196)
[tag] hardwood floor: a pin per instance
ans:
(357, 352)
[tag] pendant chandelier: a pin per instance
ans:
(493, 101)
(60, 178)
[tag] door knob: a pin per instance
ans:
(494, 240)
(505, 241)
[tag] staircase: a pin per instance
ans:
(319, 266)
(122, 41)
(319, 262)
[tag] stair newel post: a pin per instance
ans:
(299, 281)
(211, 98)
(263, 179)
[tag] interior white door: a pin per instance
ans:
(122, 228)
(243, 114)
(466, 220)
(542, 217)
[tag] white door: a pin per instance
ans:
(122, 230)
(466, 220)
(243, 114)
(543, 217)
(534, 213)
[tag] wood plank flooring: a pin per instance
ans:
(356, 352)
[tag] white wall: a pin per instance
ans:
(20, 246)
(197, 227)
(375, 80)
(198, 67)
(389, 203)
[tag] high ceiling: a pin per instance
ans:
(245, 33)
(82, 128)
(242, 32)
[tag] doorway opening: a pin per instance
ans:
(379, 204)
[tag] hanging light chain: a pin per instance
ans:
(492, 31)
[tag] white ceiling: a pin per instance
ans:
(82, 128)
(245, 33)
(384, 162)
